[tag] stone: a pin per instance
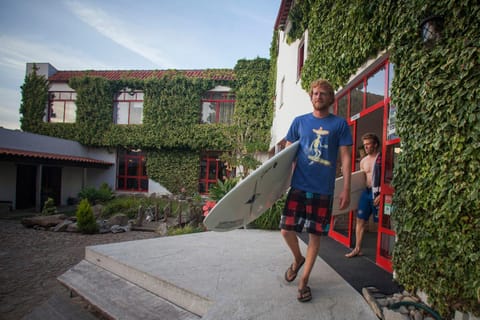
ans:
(62, 226)
(118, 219)
(116, 228)
(417, 315)
(44, 221)
(97, 210)
(389, 314)
(72, 227)
(162, 229)
(410, 299)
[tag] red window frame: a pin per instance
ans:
(131, 97)
(212, 169)
(300, 59)
(132, 171)
(212, 97)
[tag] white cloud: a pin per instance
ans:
(120, 32)
(15, 53)
(9, 108)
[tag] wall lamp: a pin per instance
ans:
(431, 29)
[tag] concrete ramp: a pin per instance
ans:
(117, 298)
(212, 275)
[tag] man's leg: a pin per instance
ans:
(312, 253)
(363, 214)
(359, 232)
(292, 242)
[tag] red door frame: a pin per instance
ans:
(386, 189)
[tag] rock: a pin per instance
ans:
(410, 299)
(72, 227)
(97, 210)
(417, 315)
(43, 221)
(162, 229)
(403, 310)
(118, 219)
(116, 228)
(62, 226)
(389, 314)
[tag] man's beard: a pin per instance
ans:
(320, 106)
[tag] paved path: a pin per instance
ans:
(31, 260)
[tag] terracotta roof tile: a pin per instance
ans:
(283, 13)
(216, 74)
(50, 156)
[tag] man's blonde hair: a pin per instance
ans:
(322, 83)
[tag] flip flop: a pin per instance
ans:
(293, 272)
(304, 294)
(354, 253)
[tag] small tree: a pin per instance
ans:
(49, 207)
(34, 101)
(85, 219)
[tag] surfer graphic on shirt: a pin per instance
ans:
(317, 145)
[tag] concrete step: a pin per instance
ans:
(154, 282)
(117, 298)
(59, 307)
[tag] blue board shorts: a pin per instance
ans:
(366, 207)
(306, 209)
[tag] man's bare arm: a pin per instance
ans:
(346, 158)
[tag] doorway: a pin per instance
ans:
(51, 184)
(25, 187)
(365, 104)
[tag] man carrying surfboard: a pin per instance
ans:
(370, 197)
(322, 136)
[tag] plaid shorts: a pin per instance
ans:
(306, 209)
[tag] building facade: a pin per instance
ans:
(123, 165)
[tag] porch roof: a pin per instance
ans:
(50, 158)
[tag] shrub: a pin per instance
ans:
(184, 230)
(103, 194)
(49, 207)
(220, 189)
(85, 219)
(271, 218)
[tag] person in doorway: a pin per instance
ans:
(370, 198)
(322, 136)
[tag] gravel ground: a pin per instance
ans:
(31, 260)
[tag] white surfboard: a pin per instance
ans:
(357, 186)
(255, 194)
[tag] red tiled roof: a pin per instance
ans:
(51, 156)
(215, 74)
(283, 13)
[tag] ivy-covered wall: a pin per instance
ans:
(171, 132)
(436, 89)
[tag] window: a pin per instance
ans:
(132, 171)
(356, 99)
(282, 90)
(218, 106)
(370, 90)
(342, 106)
(128, 107)
(300, 59)
(211, 170)
(62, 107)
(376, 87)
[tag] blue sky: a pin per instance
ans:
(127, 35)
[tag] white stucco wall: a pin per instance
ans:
(156, 188)
(72, 180)
(296, 101)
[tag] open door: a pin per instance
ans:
(365, 104)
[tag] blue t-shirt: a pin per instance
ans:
(317, 153)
